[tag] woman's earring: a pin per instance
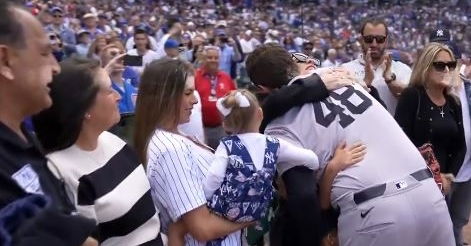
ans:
(88, 116)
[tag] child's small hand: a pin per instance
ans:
(347, 156)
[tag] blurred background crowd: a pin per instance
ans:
(326, 30)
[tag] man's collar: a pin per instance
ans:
(361, 59)
(8, 136)
(205, 72)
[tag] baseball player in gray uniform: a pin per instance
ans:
(389, 198)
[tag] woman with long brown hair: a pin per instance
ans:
(176, 165)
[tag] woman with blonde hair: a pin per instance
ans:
(176, 164)
(428, 112)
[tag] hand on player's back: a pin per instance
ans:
(346, 156)
(336, 78)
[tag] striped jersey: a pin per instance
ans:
(110, 185)
(177, 168)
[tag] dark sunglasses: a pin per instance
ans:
(440, 66)
(379, 39)
(57, 16)
(303, 58)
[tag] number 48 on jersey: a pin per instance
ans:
(345, 110)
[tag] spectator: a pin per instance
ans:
(58, 26)
(248, 43)
(57, 46)
(83, 43)
(459, 202)
(428, 112)
(96, 166)
(119, 82)
(103, 23)
(27, 67)
(212, 83)
(176, 165)
(131, 43)
(96, 47)
(90, 25)
(229, 53)
(331, 60)
(143, 48)
(376, 68)
(171, 48)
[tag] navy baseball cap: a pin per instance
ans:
(56, 9)
(442, 35)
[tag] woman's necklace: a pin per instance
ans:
(441, 111)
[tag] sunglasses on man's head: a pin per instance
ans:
(440, 66)
(379, 39)
(303, 58)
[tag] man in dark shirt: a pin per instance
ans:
(26, 67)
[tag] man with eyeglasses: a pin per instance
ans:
(57, 26)
(375, 67)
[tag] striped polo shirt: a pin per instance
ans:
(177, 168)
(110, 185)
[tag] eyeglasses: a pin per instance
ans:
(440, 66)
(303, 58)
(379, 39)
(57, 16)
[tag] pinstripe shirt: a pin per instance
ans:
(176, 168)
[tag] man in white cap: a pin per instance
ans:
(90, 22)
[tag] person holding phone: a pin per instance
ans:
(112, 58)
(375, 68)
(142, 52)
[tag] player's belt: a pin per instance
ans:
(379, 190)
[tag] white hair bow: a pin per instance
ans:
(241, 100)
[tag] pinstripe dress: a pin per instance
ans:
(176, 168)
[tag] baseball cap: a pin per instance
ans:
(222, 23)
(82, 32)
(442, 35)
(56, 9)
(89, 15)
(171, 44)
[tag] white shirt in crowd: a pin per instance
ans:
(328, 63)
(194, 128)
(401, 70)
(176, 169)
(289, 155)
(146, 59)
(465, 171)
(313, 126)
(130, 43)
(248, 46)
